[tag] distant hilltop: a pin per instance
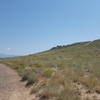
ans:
(6, 55)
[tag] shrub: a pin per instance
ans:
(48, 72)
(29, 76)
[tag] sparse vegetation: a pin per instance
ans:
(53, 72)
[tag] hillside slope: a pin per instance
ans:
(63, 73)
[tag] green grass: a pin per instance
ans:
(55, 70)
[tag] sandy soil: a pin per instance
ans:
(85, 93)
(11, 88)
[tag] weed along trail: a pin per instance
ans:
(11, 88)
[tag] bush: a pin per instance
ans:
(48, 72)
(29, 76)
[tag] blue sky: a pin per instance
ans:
(29, 26)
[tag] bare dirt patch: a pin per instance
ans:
(85, 93)
(11, 88)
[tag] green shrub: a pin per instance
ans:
(48, 72)
(29, 76)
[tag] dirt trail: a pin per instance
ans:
(11, 88)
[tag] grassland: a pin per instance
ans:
(56, 74)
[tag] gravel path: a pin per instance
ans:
(11, 88)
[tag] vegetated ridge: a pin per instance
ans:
(63, 73)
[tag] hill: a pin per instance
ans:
(6, 55)
(69, 72)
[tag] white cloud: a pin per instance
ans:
(8, 49)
